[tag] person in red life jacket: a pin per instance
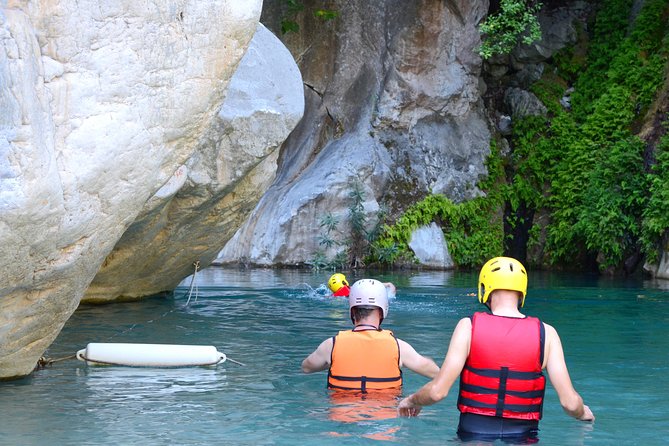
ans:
(339, 286)
(499, 357)
(367, 357)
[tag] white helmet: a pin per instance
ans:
(369, 293)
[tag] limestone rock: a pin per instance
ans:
(660, 270)
(103, 102)
(522, 103)
(558, 29)
(430, 247)
(209, 197)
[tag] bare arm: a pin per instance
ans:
(438, 388)
(416, 362)
(570, 400)
(319, 359)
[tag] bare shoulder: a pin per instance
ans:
(404, 345)
(551, 332)
(327, 344)
(464, 324)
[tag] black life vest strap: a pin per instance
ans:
(363, 380)
(503, 376)
(488, 391)
(510, 407)
(510, 374)
(369, 327)
(542, 342)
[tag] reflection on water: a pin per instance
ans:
(131, 383)
(350, 407)
(615, 335)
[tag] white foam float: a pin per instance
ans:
(150, 355)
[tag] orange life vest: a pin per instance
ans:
(365, 359)
(502, 376)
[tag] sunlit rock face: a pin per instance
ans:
(103, 104)
(393, 103)
(208, 198)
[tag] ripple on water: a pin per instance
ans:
(615, 339)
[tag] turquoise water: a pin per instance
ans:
(615, 335)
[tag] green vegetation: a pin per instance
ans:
(472, 231)
(583, 168)
(515, 21)
(294, 7)
(356, 243)
(598, 189)
(656, 214)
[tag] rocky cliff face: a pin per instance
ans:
(112, 130)
(393, 102)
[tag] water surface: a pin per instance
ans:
(615, 335)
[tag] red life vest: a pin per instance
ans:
(363, 360)
(344, 291)
(502, 376)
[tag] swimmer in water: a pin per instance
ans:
(340, 288)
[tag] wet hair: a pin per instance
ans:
(360, 312)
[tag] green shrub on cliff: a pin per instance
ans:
(599, 187)
(655, 222)
(472, 230)
(516, 21)
(582, 167)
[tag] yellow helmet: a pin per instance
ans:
(502, 273)
(337, 281)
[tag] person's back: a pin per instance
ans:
(505, 359)
(499, 358)
(367, 357)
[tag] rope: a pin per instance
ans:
(221, 360)
(196, 264)
(236, 362)
(44, 362)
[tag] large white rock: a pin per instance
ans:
(191, 217)
(430, 247)
(102, 103)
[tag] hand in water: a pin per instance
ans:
(587, 414)
(407, 409)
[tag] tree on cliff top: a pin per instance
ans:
(516, 20)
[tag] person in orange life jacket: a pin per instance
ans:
(367, 357)
(499, 357)
(340, 288)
